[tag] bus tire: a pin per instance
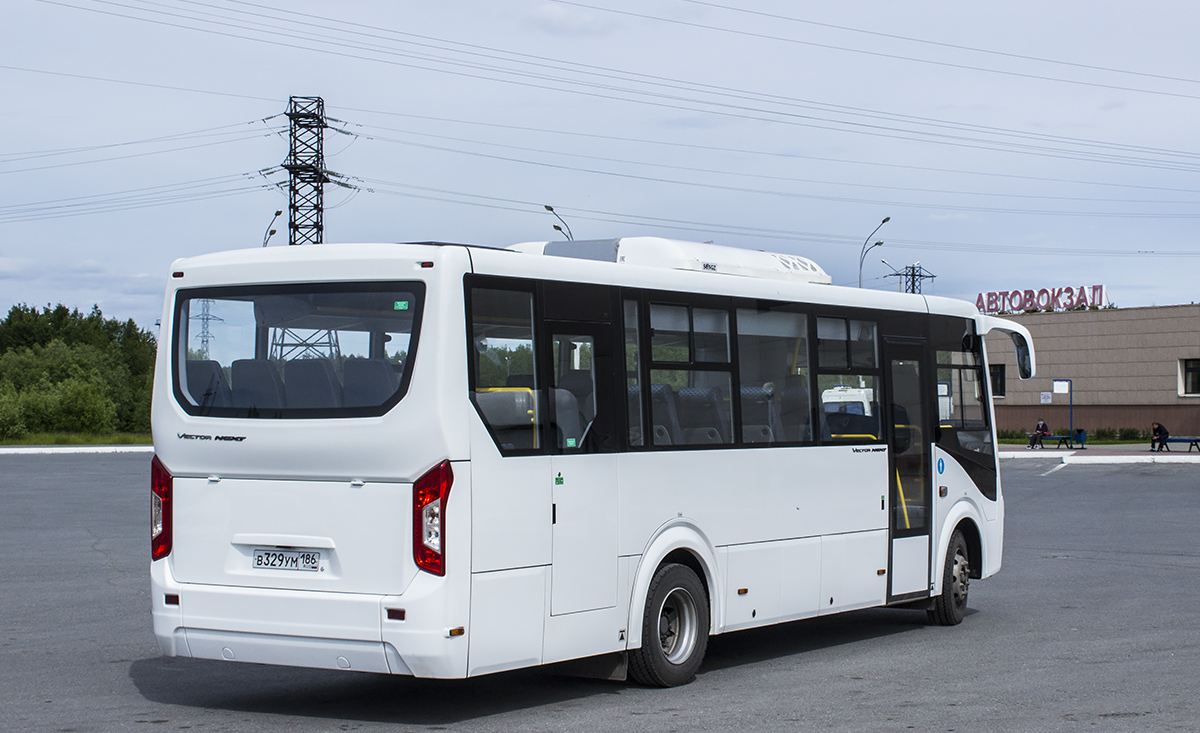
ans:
(950, 605)
(674, 629)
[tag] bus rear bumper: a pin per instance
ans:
(295, 651)
(321, 630)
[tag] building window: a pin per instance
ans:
(997, 373)
(1190, 373)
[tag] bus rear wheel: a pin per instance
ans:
(674, 629)
(950, 605)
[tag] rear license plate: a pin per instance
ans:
(287, 560)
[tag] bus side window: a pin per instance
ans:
(633, 374)
(773, 364)
(848, 385)
(504, 382)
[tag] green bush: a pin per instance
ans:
(1010, 435)
(1131, 434)
(11, 424)
(70, 372)
(1105, 434)
(71, 406)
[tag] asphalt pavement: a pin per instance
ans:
(1092, 624)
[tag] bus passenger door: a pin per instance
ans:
(583, 468)
(909, 438)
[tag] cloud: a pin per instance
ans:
(12, 267)
(950, 217)
(558, 20)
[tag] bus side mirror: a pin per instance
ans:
(1024, 364)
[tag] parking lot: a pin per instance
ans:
(1094, 623)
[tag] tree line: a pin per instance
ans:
(62, 371)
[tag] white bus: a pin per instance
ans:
(446, 461)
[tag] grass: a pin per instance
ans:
(80, 439)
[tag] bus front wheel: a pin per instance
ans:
(674, 629)
(950, 605)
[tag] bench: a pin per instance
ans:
(1193, 441)
(1072, 441)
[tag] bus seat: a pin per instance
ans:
(579, 383)
(634, 414)
(795, 413)
(701, 415)
(759, 420)
(757, 434)
(663, 415)
(368, 382)
(519, 380)
(256, 384)
(207, 385)
(311, 383)
(568, 422)
(851, 425)
(511, 415)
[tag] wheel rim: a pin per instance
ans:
(678, 624)
(960, 579)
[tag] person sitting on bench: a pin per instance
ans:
(1158, 435)
(1040, 431)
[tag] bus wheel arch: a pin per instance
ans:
(681, 544)
(961, 561)
(970, 532)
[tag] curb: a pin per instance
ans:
(1034, 453)
(1131, 459)
(34, 450)
(1075, 457)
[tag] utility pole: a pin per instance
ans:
(911, 277)
(205, 318)
(306, 170)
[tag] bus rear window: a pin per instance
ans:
(295, 351)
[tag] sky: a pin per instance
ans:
(1015, 145)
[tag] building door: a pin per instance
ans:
(909, 437)
(583, 467)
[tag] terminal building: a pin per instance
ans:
(1127, 367)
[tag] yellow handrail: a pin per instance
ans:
(903, 503)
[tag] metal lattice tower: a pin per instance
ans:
(306, 170)
(911, 277)
(289, 344)
(205, 317)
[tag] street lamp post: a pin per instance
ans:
(267, 234)
(863, 255)
(567, 232)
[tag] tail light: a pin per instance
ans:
(430, 493)
(160, 510)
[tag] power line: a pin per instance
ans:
(791, 194)
(879, 54)
(541, 131)
(149, 85)
(207, 132)
(395, 188)
(657, 98)
(941, 44)
(546, 131)
(135, 155)
(140, 202)
(761, 176)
